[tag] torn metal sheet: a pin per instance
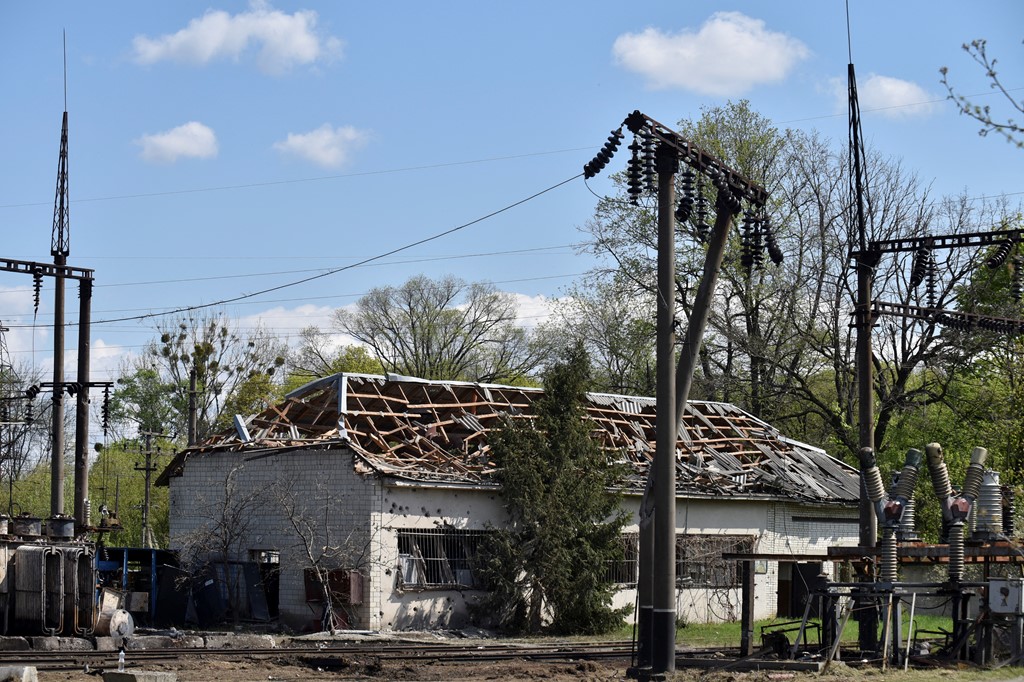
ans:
(438, 431)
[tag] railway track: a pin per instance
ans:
(330, 654)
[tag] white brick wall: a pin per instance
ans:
(326, 490)
(357, 504)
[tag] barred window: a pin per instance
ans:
(438, 558)
(624, 571)
(699, 561)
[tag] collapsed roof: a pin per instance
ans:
(437, 431)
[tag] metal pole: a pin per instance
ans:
(645, 576)
(865, 392)
(698, 321)
(192, 406)
(60, 247)
(57, 437)
(82, 407)
(664, 577)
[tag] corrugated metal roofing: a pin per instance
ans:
(437, 431)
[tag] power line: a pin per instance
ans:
(281, 300)
(294, 272)
(327, 273)
(271, 183)
(407, 169)
(429, 259)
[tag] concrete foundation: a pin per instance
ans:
(18, 673)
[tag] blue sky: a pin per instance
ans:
(223, 148)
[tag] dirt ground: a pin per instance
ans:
(340, 668)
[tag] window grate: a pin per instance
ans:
(624, 571)
(699, 561)
(438, 558)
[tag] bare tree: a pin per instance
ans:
(613, 322)
(330, 544)
(233, 371)
(221, 534)
(1005, 126)
(319, 355)
(780, 342)
(442, 329)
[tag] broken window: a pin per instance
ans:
(624, 571)
(443, 557)
(699, 561)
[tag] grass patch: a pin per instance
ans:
(720, 635)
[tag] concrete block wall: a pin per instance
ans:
(407, 507)
(369, 514)
(796, 528)
(325, 489)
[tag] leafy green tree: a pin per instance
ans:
(443, 329)
(118, 489)
(549, 563)
(142, 400)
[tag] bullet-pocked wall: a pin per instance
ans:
(412, 542)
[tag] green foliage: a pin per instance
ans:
(250, 397)
(141, 398)
(114, 482)
(564, 527)
(30, 493)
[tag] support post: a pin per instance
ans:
(57, 437)
(148, 468)
(645, 580)
(82, 406)
(664, 574)
(867, 605)
(698, 321)
(747, 605)
(192, 436)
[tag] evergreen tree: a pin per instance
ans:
(550, 562)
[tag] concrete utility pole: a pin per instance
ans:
(865, 264)
(59, 249)
(192, 409)
(664, 582)
(82, 406)
(663, 150)
(147, 469)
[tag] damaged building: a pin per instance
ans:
(385, 485)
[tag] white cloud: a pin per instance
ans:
(326, 146)
(282, 40)
(533, 310)
(886, 96)
(192, 140)
(288, 322)
(730, 54)
(894, 97)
